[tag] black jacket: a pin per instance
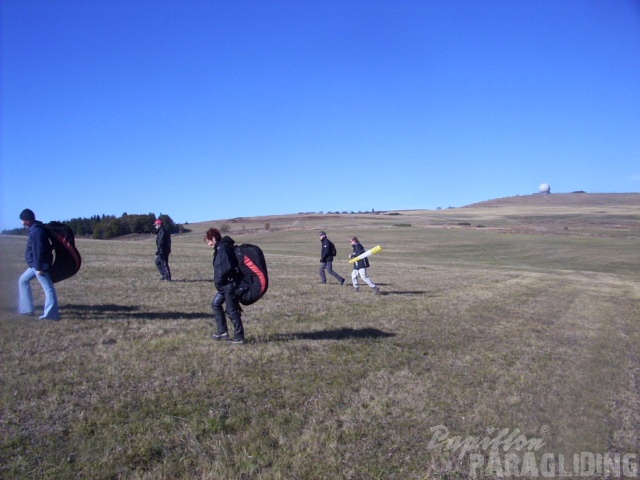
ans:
(326, 253)
(38, 253)
(163, 241)
(358, 249)
(225, 263)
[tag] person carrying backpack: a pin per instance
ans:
(39, 258)
(327, 252)
(163, 249)
(225, 275)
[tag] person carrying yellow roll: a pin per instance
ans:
(360, 267)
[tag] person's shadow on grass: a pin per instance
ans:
(114, 312)
(334, 334)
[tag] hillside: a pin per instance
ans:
(564, 199)
(604, 215)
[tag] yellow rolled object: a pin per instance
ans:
(368, 253)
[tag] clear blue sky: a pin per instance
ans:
(214, 109)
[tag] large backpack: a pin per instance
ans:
(66, 257)
(254, 280)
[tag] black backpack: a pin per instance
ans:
(254, 280)
(66, 257)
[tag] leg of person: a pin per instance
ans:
(233, 310)
(354, 279)
(323, 278)
(51, 310)
(159, 266)
(368, 281)
(25, 298)
(334, 274)
(165, 265)
(218, 314)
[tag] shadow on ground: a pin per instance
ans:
(122, 312)
(337, 334)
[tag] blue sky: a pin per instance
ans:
(216, 109)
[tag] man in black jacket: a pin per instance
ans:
(163, 249)
(225, 275)
(327, 253)
(39, 258)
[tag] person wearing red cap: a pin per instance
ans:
(163, 249)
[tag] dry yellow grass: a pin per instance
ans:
(480, 329)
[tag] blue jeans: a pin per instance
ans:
(25, 304)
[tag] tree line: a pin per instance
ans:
(109, 226)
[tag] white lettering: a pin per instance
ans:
(629, 465)
(476, 461)
(511, 462)
(441, 433)
(611, 466)
(561, 470)
(587, 464)
(494, 466)
(548, 465)
(529, 466)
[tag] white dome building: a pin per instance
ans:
(544, 188)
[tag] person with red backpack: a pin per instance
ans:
(39, 258)
(226, 272)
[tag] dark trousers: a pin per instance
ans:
(162, 262)
(228, 297)
(328, 266)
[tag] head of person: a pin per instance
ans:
(212, 236)
(28, 217)
(157, 224)
(354, 240)
(322, 236)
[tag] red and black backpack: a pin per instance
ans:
(66, 257)
(254, 280)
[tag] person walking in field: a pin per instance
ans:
(360, 267)
(163, 249)
(39, 257)
(327, 252)
(225, 275)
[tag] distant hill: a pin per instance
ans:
(563, 199)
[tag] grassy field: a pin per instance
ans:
(500, 331)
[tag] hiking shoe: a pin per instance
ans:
(220, 336)
(236, 340)
(376, 290)
(342, 282)
(357, 289)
